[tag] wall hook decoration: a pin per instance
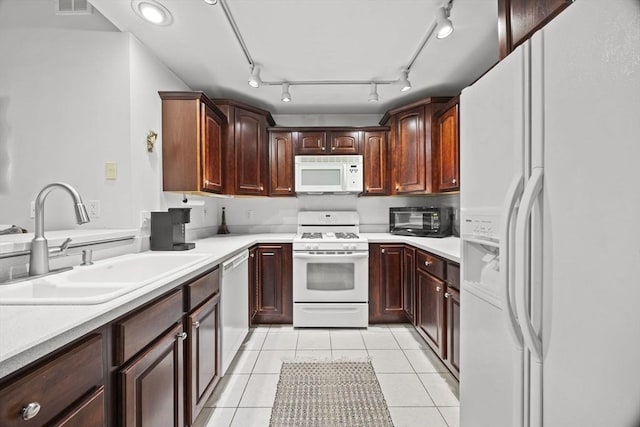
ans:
(151, 140)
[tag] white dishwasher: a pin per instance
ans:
(234, 306)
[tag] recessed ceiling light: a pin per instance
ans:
(152, 11)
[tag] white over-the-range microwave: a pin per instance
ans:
(329, 174)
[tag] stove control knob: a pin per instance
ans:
(307, 246)
(353, 247)
(316, 246)
(345, 246)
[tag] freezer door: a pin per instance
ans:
(493, 150)
(591, 260)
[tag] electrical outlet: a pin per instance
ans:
(93, 208)
(249, 214)
(32, 208)
(145, 220)
(111, 171)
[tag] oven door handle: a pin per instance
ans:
(345, 256)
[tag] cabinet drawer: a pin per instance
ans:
(89, 413)
(453, 275)
(202, 288)
(54, 386)
(138, 330)
(430, 264)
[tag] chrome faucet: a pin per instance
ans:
(39, 257)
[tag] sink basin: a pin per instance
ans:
(101, 282)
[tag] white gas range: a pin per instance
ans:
(330, 271)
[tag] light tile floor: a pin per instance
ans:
(418, 388)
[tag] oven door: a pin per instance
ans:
(330, 276)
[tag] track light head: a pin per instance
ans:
(405, 84)
(286, 96)
(254, 79)
(444, 26)
(373, 92)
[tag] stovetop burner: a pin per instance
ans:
(346, 235)
(312, 235)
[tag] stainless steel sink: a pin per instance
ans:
(101, 282)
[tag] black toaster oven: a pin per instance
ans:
(421, 221)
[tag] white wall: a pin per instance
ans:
(71, 100)
(327, 119)
(280, 214)
(64, 96)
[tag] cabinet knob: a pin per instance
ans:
(261, 188)
(196, 324)
(446, 294)
(438, 288)
(397, 187)
(181, 335)
(30, 411)
(333, 148)
(455, 181)
(323, 148)
(427, 263)
(382, 251)
(252, 255)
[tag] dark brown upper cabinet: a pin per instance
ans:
(327, 141)
(281, 164)
(193, 133)
(246, 152)
(376, 173)
(519, 19)
(411, 146)
(446, 150)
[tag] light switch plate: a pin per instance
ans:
(93, 208)
(111, 170)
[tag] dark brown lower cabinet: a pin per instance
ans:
(409, 284)
(430, 304)
(386, 274)
(152, 384)
(271, 283)
(203, 371)
(452, 359)
(89, 413)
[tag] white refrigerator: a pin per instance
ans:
(550, 227)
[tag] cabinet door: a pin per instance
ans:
(453, 330)
(376, 180)
(409, 152)
(152, 388)
(385, 283)
(344, 142)
(431, 309)
(409, 283)
(313, 142)
(448, 155)
(251, 162)
(203, 355)
(273, 284)
(281, 164)
(253, 284)
(211, 151)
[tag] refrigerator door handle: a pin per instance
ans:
(531, 192)
(513, 195)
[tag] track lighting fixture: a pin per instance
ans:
(444, 26)
(441, 26)
(254, 79)
(286, 96)
(373, 92)
(405, 84)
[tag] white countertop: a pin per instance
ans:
(29, 332)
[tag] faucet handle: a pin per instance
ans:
(60, 250)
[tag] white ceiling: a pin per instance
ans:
(318, 40)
